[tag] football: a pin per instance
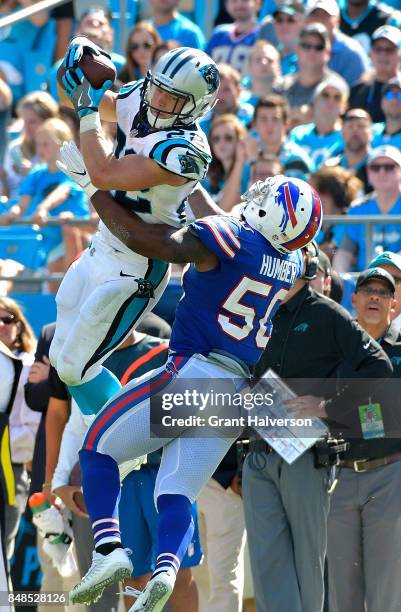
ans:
(96, 68)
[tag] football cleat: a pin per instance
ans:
(156, 594)
(105, 570)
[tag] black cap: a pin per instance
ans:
(318, 29)
(375, 274)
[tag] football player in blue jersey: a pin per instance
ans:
(160, 156)
(241, 271)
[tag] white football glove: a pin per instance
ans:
(73, 166)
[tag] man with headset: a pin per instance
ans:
(286, 506)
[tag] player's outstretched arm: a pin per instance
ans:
(152, 240)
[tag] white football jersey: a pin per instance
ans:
(182, 151)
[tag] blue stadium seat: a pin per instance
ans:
(39, 309)
(24, 244)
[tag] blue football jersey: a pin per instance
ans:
(227, 47)
(230, 307)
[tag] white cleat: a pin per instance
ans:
(155, 595)
(105, 570)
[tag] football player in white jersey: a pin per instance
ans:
(161, 154)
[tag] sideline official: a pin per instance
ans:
(364, 528)
(286, 507)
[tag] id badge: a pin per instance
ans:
(371, 420)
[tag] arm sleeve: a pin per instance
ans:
(219, 234)
(179, 157)
(71, 442)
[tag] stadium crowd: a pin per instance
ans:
(308, 89)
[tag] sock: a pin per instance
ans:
(101, 486)
(176, 528)
(93, 395)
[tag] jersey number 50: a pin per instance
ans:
(233, 304)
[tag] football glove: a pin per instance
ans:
(77, 47)
(73, 165)
(83, 95)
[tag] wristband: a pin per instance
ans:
(90, 122)
(46, 485)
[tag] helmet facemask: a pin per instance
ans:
(180, 113)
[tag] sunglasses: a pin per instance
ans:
(385, 167)
(327, 96)
(386, 50)
(281, 20)
(144, 45)
(8, 320)
(393, 95)
(383, 293)
(225, 137)
(310, 47)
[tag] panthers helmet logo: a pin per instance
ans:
(211, 76)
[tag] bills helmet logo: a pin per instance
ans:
(211, 76)
(287, 198)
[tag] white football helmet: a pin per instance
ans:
(286, 211)
(191, 76)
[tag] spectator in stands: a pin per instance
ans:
(71, 118)
(63, 15)
(225, 179)
(389, 131)
(384, 174)
(337, 188)
(264, 71)
(95, 23)
(171, 25)
(322, 139)
(269, 137)
(263, 166)
(141, 43)
(6, 99)
(391, 262)
(282, 30)
(17, 335)
(161, 49)
(10, 371)
(386, 55)
(229, 100)
(20, 155)
(357, 137)
(313, 54)
(47, 192)
(360, 18)
(19, 41)
(230, 43)
(348, 57)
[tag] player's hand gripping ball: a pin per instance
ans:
(95, 63)
(86, 90)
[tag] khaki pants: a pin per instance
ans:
(221, 512)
